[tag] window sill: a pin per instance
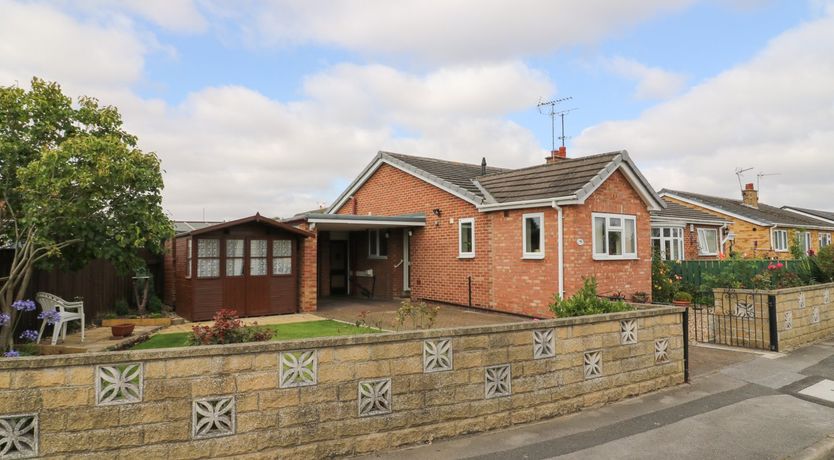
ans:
(602, 259)
(707, 255)
(532, 256)
(466, 256)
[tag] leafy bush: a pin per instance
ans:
(228, 328)
(683, 296)
(663, 286)
(421, 315)
(155, 304)
(121, 307)
(824, 264)
(586, 302)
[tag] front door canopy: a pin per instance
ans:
(351, 222)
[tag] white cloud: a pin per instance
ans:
(652, 82)
(446, 31)
(772, 112)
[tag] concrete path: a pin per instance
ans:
(750, 409)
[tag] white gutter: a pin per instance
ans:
(539, 202)
(561, 244)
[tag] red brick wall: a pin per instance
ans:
(690, 243)
(307, 282)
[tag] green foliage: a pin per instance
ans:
(420, 315)
(121, 308)
(155, 304)
(824, 264)
(663, 286)
(586, 302)
(797, 247)
(683, 296)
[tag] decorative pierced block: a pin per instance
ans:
(374, 397)
(544, 344)
(826, 296)
(19, 436)
(593, 364)
(498, 381)
(119, 384)
(628, 331)
(745, 310)
(213, 417)
(661, 351)
(788, 320)
(437, 355)
(815, 315)
(298, 368)
(801, 300)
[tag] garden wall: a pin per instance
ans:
(335, 396)
(805, 315)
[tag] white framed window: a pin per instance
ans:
(668, 241)
(825, 239)
(615, 236)
(208, 258)
(257, 257)
(532, 230)
(707, 242)
(377, 244)
(466, 238)
(780, 240)
(188, 258)
(282, 257)
(805, 240)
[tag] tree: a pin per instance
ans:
(74, 188)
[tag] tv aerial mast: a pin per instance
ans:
(552, 113)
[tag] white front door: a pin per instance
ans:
(406, 260)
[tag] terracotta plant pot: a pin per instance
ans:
(682, 303)
(122, 330)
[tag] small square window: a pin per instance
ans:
(466, 238)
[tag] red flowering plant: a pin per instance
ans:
(777, 276)
(228, 328)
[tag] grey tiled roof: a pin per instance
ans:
(459, 174)
(678, 212)
(563, 178)
(765, 214)
(828, 215)
(185, 226)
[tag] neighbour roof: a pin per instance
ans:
(764, 215)
(256, 218)
(185, 226)
(675, 211)
(827, 215)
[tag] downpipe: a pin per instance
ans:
(561, 248)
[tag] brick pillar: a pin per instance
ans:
(307, 296)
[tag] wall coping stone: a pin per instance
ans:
(83, 359)
(806, 288)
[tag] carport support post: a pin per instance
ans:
(686, 344)
(774, 321)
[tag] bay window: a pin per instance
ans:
(615, 236)
(668, 242)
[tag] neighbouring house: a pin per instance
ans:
(255, 265)
(757, 230)
(682, 233)
(823, 238)
(496, 238)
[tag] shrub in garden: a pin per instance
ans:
(228, 328)
(419, 314)
(824, 263)
(683, 296)
(663, 285)
(586, 302)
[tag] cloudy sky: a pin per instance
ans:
(276, 106)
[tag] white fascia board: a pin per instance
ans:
(640, 184)
(526, 204)
(716, 209)
(786, 208)
(713, 223)
(390, 223)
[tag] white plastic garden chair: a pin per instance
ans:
(69, 311)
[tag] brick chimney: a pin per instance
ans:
(556, 155)
(750, 196)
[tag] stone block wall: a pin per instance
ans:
(333, 397)
(805, 315)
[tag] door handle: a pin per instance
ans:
(399, 263)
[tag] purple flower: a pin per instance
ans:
(5, 319)
(29, 335)
(51, 316)
(24, 305)
(12, 354)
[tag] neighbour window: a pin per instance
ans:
(668, 241)
(615, 236)
(257, 257)
(377, 244)
(780, 240)
(466, 237)
(805, 239)
(533, 230)
(281, 257)
(825, 239)
(707, 242)
(208, 258)
(188, 258)
(234, 257)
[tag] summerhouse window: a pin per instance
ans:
(377, 244)
(533, 232)
(466, 238)
(780, 240)
(281, 257)
(208, 258)
(615, 236)
(707, 242)
(188, 258)
(234, 257)
(668, 242)
(257, 257)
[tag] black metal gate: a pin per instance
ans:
(736, 319)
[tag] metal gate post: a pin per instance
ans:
(686, 344)
(774, 330)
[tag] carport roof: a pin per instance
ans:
(357, 222)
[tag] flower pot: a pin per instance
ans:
(122, 330)
(682, 303)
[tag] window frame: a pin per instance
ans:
(217, 258)
(663, 239)
(824, 237)
(524, 253)
(379, 237)
(189, 257)
(273, 257)
(461, 253)
(227, 257)
(251, 258)
(621, 228)
(775, 239)
(807, 243)
(702, 251)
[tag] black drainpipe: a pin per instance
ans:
(470, 290)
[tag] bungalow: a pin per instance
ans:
(496, 238)
(824, 238)
(682, 233)
(757, 230)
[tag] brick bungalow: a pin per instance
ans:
(504, 239)
(758, 230)
(682, 233)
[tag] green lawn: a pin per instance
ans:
(304, 330)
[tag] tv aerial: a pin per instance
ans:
(739, 173)
(553, 113)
